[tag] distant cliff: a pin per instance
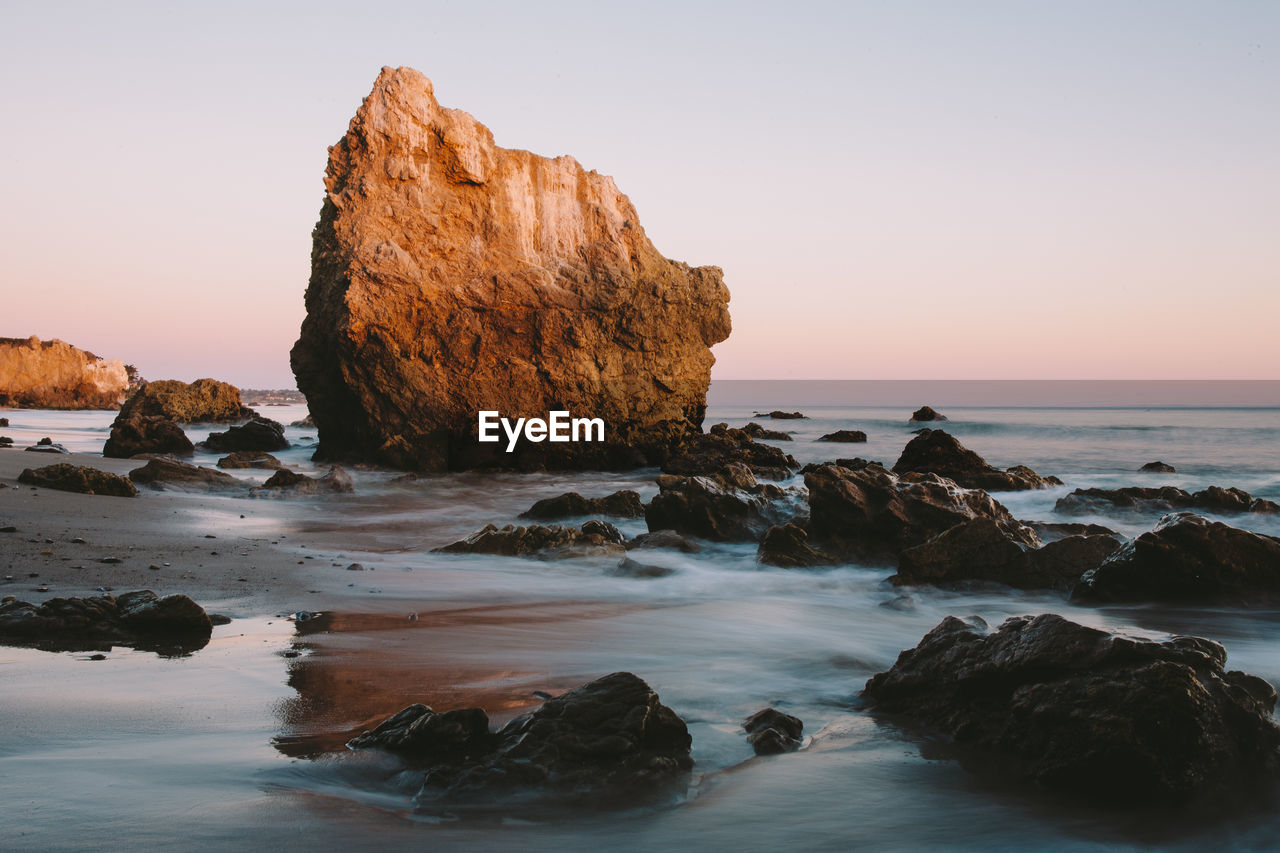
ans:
(449, 276)
(55, 375)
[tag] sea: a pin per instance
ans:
(240, 744)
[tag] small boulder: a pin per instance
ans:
(729, 506)
(286, 483)
(787, 545)
(934, 451)
(708, 453)
(771, 732)
(925, 413)
(779, 415)
(260, 434)
(250, 459)
(592, 539)
(621, 504)
(47, 445)
(845, 435)
(758, 432)
(78, 478)
(146, 434)
(160, 473)
(1158, 468)
(663, 539)
(146, 613)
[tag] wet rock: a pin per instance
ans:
(285, 483)
(78, 478)
(250, 459)
(202, 401)
(924, 413)
(1158, 468)
(778, 414)
(1187, 558)
(622, 504)
(592, 539)
(663, 539)
(1109, 718)
(873, 515)
(141, 619)
(135, 434)
(1163, 499)
(5, 441)
(845, 435)
(162, 474)
(630, 568)
(758, 432)
(857, 463)
(771, 732)
(307, 422)
(729, 506)
(258, 434)
(1050, 531)
(610, 742)
(4, 422)
(707, 453)
(47, 445)
(787, 545)
(934, 451)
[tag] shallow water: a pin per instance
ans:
(240, 743)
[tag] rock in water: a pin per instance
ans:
(938, 452)
(202, 401)
(450, 276)
(1103, 716)
(55, 375)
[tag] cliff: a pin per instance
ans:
(450, 276)
(55, 375)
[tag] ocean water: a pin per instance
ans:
(240, 743)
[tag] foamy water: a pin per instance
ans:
(240, 742)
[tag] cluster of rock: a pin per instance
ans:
(149, 420)
(937, 452)
(78, 478)
(592, 539)
(166, 472)
(1163, 499)
(621, 504)
(140, 619)
(706, 453)
(451, 276)
(56, 375)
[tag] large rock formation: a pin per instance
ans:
(451, 276)
(55, 375)
(204, 401)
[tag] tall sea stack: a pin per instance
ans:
(450, 276)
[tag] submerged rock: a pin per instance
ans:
(250, 459)
(1051, 531)
(78, 478)
(934, 451)
(1158, 468)
(924, 413)
(592, 539)
(135, 434)
(708, 453)
(285, 483)
(451, 276)
(771, 732)
(849, 436)
(140, 618)
(663, 539)
(1102, 716)
(257, 434)
(161, 473)
(622, 504)
(610, 742)
(1163, 498)
(1187, 558)
(787, 545)
(729, 506)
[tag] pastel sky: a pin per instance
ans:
(928, 190)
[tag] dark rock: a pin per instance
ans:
(134, 434)
(663, 539)
(161, 473)
(779, 415)
(307, 422)
(250, 459)
(4, 422)
(285, 483)
(873, 515)
(924, 413)
(78, 478)
(771, 732)
(845, 435)
(630, 568)
(257, 434)
(622, 504)
(46, 445)
(1163, 499)
(1102, 716)
(855, 464)
(5, 441)
(1158, 468)
(610, 742)
(758, 432)
(593, 539)
(173, 623)
(1187, 558)
(202, 401)
(1050, 531)
(934, 451)
(730, 506)
(787, 545)
(707, 453)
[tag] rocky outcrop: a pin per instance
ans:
(622, 504)
(552, 542)
(1163, 499)
(924, 414)
(260, 434)
(1158, 468)
(729, 506)
(707, 453)
(771, 732)
(1102, 716)
(780, 415)
(610, 742)
(162, 474)
(55, 375)
(758, 432)
(146, 434)
(142, 619)
(934, 451)
(787, 546)
(285, 483)
(451, 276)
(1189, 559)
(47, 445)
(202, 401)
(240, 459)
(873, 515)
(66, 477)
(847, 436)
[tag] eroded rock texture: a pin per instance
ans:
(55, 375)
(450, 276)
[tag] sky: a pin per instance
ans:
(907, 190)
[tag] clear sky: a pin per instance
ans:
(894, 190)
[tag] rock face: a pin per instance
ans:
(623, 504)
(451, 276)
(1098, 715)
(78, 478)
(202, 401)
(1163, 498)
(608, 743)
(139, 618)
(730, 506)
(146, 434)
(937, 452)
(1187, 558)
(55, 375)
